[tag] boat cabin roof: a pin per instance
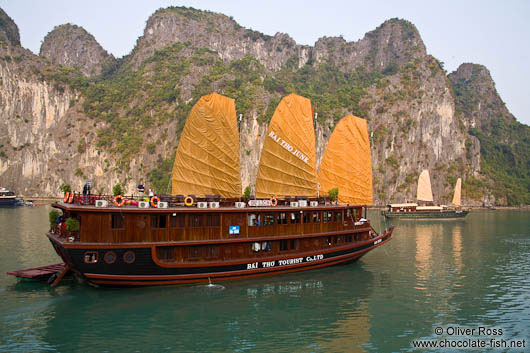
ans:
(193, 209)
(396, 205)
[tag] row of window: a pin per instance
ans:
(269, 219)
(254, 219)
(175, 221)
(284, 245)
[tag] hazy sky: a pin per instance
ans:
(492, 33)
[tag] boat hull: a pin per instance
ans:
(446, 214)
(8, 202)
(147, 270)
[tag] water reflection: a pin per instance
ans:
(424, 234)
(457, 247)
(325, 308)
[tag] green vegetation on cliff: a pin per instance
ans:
(505, 154)
(504, 142)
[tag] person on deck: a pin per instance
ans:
(141, 188)
(86, 191)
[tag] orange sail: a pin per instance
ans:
(287, 165)
(207, 158)
(347, 162)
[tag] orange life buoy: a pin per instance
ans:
(119, 204)
(274, 202)
(66, 196)
(153, 199)
(188, 201)
(71, 198)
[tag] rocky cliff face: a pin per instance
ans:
(8, 30)
(477, 97)
(71, 45)
(216, 32)
(391, 45)
(505, 143)
(63, 128)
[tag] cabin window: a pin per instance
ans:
(295, 217)
(282, 218)
(357, 236)
(289, 244)
(177, 221)
(307, 217)
(316, 217)
(91, 257)
(338, 216)
(158, 221)
(254, 220)
(326, 216)
(212, 252)
(212, 220)
(348, 213)
(117, 221)
(266, 246)
(166, 253)
(348, 238)
(327, 241)
(268, 219)
(195, 220)
(357, 213)
(195, 251)
(338, 239)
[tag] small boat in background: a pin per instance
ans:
(428, 210)
(7, 198)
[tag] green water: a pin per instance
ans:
(465, 274)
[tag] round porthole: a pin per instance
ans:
(110, 257)
(129, 257)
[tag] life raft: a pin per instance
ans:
(274, 202)
(120, 203)
(66, 196)
(153, 199)
(188, 201)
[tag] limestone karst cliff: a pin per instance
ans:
(64, 123)
(71, 45)
(8, 29)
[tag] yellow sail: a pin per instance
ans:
(287, 165)
(458, 190)
(347, 162)
(424, 192)
(207, 158)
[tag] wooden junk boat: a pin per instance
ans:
(428, 210)
(211, 233)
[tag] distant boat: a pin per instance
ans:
(428, 210)
(7, 198)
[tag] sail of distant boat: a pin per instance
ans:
(287, 164)
(207, 158)
(424, 192)
(347, 164)
(457, 193)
